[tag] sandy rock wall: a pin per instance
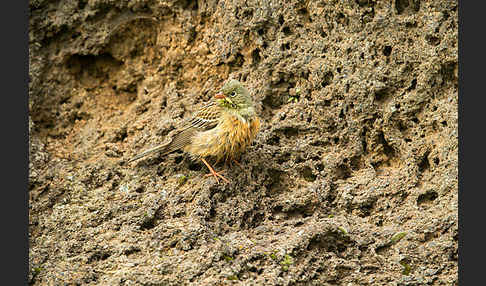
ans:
(351, 181)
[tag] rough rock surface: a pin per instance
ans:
(351, 181)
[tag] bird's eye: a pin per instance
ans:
(233, 94)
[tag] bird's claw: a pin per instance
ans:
(216, 175)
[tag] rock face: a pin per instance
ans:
(352, 180)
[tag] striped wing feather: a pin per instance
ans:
(204, 119)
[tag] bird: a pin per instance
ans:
(222, 129)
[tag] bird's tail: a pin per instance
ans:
(161, 148)
(179, 141)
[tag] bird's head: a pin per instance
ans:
(234, 96)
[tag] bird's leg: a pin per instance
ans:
(214, 173)
(237, 163)
(230, 160)
(228, 163)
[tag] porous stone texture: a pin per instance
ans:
(352, 180)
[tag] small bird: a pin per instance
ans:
(222, 128)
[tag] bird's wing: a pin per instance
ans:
(206, 117)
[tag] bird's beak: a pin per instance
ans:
(219, 95)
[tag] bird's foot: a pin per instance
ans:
(214, 173)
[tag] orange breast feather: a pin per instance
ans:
(237, 136)
(231, 137)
